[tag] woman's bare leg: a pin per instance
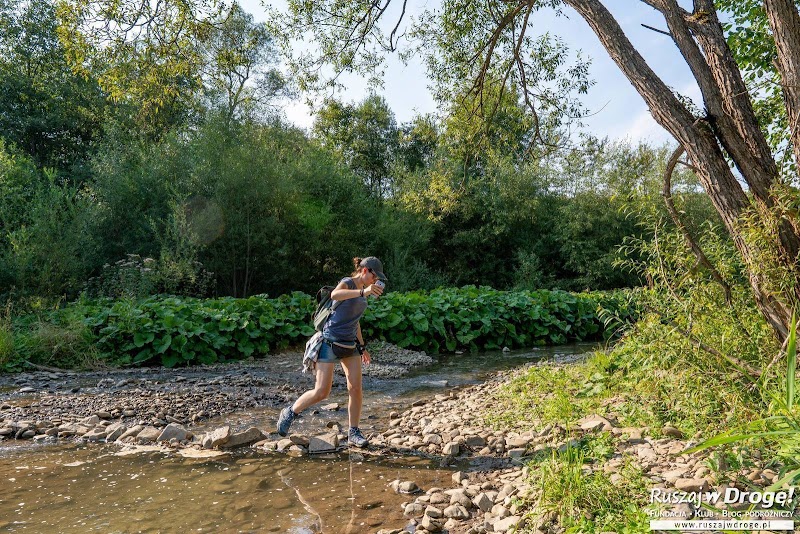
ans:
(352, 370)
(322, 388)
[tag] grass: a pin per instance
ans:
(587, 500)
(653, 377)
(638, 382)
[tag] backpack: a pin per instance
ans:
(325, 307)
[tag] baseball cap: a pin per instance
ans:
(371, 262)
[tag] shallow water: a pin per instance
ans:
(90, 489)
(71, 488)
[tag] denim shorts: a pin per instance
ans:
(326, 354)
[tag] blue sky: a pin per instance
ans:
(618, 110)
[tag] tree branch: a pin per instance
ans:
(687, 236)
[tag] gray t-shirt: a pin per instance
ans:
(343, 322)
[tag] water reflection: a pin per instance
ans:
(68, 489)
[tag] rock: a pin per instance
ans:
(498, 510)
(517, 443)
(218, 437)
(299, 439)
(671, 431)
(27, 390)
(434, 439)
(475, 442)
(504, 525)
(430, 524)
(408, 487)
(104, 415)
(115, 431)
(440, 498)
(674, 474)
(172, 431)
(460, 497)
(333, 407)
(96, 434)
(456, 511)
(483, 502)
(131, 432)
(148, 434)
(194, 453)
(283, 444)
(323, 443)
(592, 425)
(691, 484)
(451, 449)
(414, 510)
(91, 421)
(459, 476)
(248, 437)
(432, 511)
(506, 349)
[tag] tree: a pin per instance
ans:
(46, 110)
(365, 136)
(476, 41)
(238, 74)
(146, 55)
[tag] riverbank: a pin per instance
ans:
(516, 459)
(46, 406)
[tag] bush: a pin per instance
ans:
(181, 331)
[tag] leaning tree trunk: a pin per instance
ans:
(731, 124)
(784, 20)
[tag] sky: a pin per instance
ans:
(617, 110)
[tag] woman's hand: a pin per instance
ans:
(373, 290)
(365, 357)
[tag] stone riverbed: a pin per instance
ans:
(214, 413)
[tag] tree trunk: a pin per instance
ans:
(700, 142)
(784, 20)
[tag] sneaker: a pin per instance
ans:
(356, 438)
(285, 420)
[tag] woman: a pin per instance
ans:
(343, 343)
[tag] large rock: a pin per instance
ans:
(451, 449)
(96, 434)
(483, 502)
(172, 431)
(456, 511)
(414, 509)
(299, 439)
(249, 436)
(217, 437)
(433, 512)
(505, 524)
(148, 434)
(408, 487)
(131, 432)
(323, 443)
(431, 524)
(114, 431)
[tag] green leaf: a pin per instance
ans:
(161, 345)
(140, 339)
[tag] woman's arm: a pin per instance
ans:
(342, 292)
(365, 355)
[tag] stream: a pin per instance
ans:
(72, 487)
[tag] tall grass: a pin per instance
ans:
(780, 429)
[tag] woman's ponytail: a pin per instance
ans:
(356, 266)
